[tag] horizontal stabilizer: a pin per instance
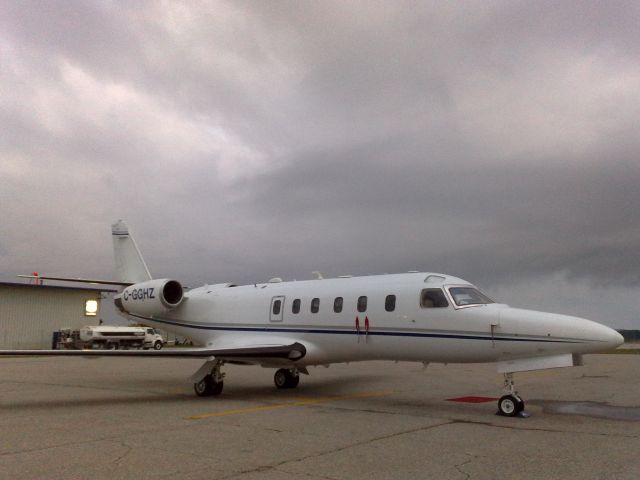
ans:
(78, 280)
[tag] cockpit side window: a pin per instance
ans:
(468, 296)
(433, 298)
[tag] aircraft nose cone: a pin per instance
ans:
(616, 339)
(609, 337)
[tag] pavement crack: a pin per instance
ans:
(459, 466)
(307, 475)
(116, 438)
(277, 466)
(128, 450)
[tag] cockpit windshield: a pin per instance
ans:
(468, 296)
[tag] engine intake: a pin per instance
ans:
(153, 297)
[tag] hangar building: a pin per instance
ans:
(29, 314)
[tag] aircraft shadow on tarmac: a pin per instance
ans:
(261, 394)
(116, 394)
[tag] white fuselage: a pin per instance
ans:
(221, 316)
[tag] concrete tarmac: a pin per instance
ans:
(100, 418)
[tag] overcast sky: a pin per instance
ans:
(494, 141)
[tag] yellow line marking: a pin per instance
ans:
(300, 402)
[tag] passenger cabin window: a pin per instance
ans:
(390, 303)
(295, 306)
(315, 305)
(362, 304)
(277, 305)
(337, 304)
(468, 296)
(433, 298)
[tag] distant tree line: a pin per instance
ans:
(630, 335)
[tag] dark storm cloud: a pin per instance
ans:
(240, 140)
(491, 222)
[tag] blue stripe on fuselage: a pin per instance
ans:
(269, 329)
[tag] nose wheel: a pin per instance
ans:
(510, 405)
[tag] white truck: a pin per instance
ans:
(112, 337)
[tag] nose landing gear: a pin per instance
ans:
(510, 405)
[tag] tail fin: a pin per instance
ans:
(130, 266)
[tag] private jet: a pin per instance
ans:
(290, 326)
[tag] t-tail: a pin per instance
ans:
(143, 296)
(130, 266)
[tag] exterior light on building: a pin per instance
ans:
(91, 308)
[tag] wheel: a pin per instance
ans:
(510, 405)
(280, 378)
(157, 345)
(207, 387)
(285, 378)
(294, 380)
(217, 388)
(202, 387)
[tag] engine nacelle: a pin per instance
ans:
(153, 297)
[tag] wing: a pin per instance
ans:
(293, 352)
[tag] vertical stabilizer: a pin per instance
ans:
(130, 266)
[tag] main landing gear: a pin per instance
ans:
(510, 404)
(208, 380)
(286, 378)
(212, 383)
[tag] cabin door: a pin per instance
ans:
(277, 309)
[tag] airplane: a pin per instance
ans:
(290, 326)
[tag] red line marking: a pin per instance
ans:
(472, 399)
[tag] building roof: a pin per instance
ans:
(60, 287)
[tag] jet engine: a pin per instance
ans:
(153, 297)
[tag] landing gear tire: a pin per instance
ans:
(294, 381)
(285, 378)
(208, 387)
(510, 405)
